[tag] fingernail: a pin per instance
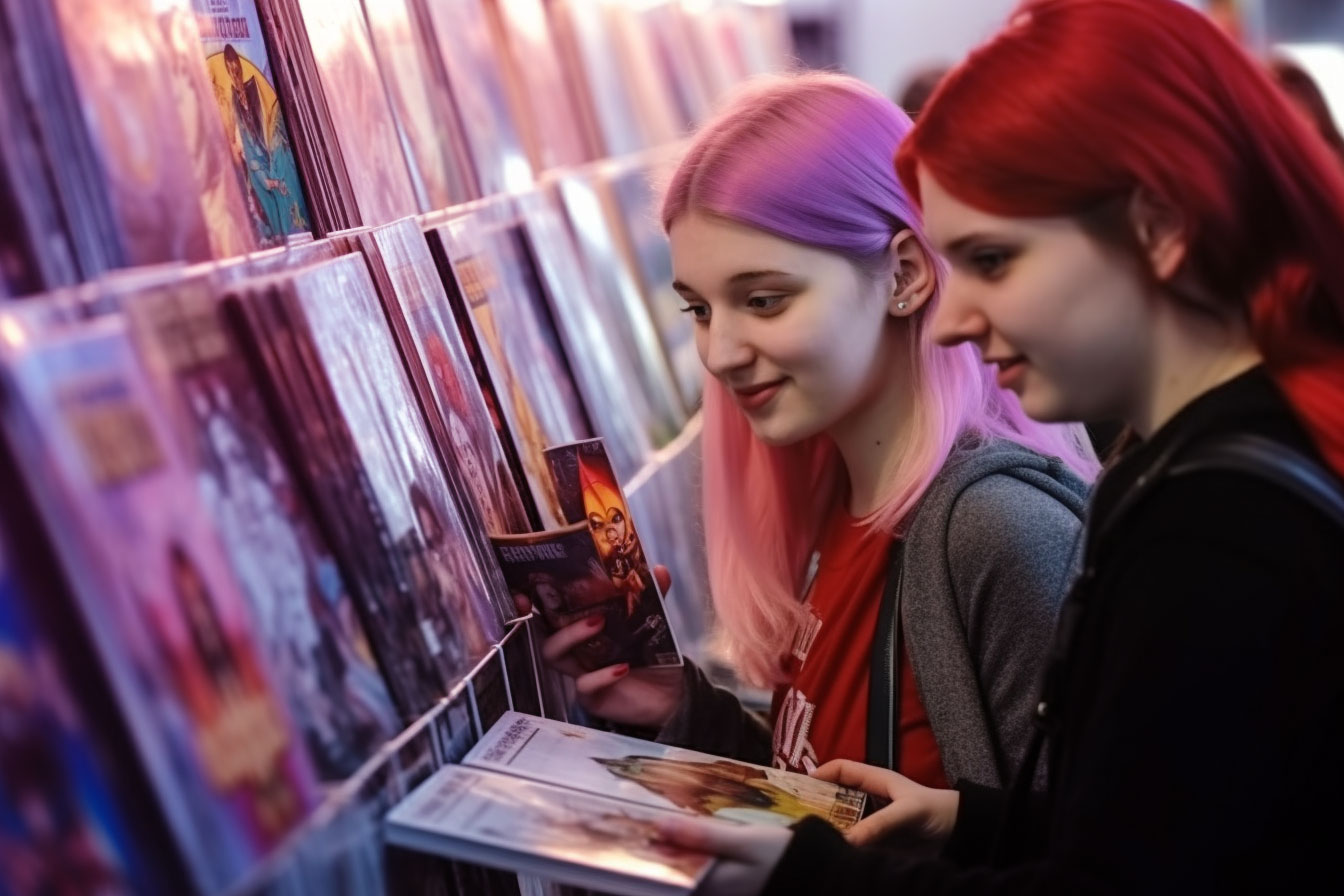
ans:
(621, 670)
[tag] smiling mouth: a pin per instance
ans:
(751, 398)
(1010, 370)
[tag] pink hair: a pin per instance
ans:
(808, 158)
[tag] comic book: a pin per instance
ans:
(521, 364)
(631, 198)
(593, 566)
(616, 405)
(299, 598)
(338, 489)
(460, 31)
(168, 622)
(440, 372)
(346, 342)
(63, 821)
(580, 806)
(427, 121)
(614, 289)
(658, 775)
(244, 91)
(582, 839)
(347, 81)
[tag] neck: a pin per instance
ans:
(1193, 354)
(873, 439)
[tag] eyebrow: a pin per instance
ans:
(737, 279)
(961, 242)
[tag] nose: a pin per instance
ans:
(957, 318)
(723, 346)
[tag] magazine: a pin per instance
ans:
(580, 806)
(573, 837)
(659, 775)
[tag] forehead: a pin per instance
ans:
(947, 218)
(708, 247)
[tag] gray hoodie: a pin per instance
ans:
(987, 558)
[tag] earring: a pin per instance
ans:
(901, 306)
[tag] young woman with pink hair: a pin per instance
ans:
(1139, 227)
(889, 535)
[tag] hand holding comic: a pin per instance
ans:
(918, 818)
(628, 696)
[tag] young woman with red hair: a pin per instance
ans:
(1140, 227)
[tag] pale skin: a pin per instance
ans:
(833, 337)
(1079, 331)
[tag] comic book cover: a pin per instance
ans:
(658, 775)
(604, 101)
(441, 376)
(461, 33)
(299, 599)
(426, 118)
(530, 341)
(134, 128)
(534, 828)
(353, 91)
(616, 406)
(157, 596)
(631, 191)
(561, 571)
(227, 217)
(405, 643)
(541, 89)
(467, 418)
(614, 289)
(479, 291)
(346, 335)
(591, 496)
(63, 828)
(244, 89)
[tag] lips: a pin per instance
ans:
(751, 398)
(1011, 370)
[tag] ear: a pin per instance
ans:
(1161, 232)
(913, 276)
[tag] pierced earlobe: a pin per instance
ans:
(901, 306)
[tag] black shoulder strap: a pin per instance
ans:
(1270, 460)
(883, 686)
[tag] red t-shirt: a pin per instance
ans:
(823, 713)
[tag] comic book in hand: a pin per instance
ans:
(659, 775)
(578, 838)
(595, 565)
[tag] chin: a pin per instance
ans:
(782, 433)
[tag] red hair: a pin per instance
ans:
(1080, 102)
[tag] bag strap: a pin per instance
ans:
(1267, 459)
(884, 692)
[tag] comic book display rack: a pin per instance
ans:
(294, 297)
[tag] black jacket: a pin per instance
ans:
(1197, 742)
